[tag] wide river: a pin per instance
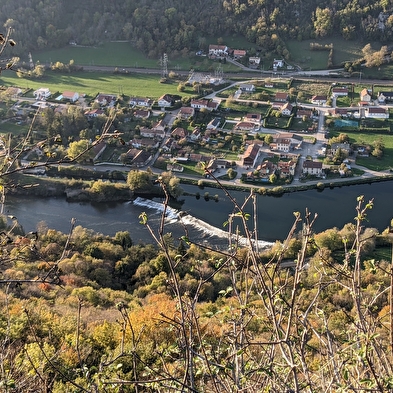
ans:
(335, 207)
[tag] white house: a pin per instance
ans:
(42, 93)
(312, 167)
(247, 87)
(277, 64)
(218, 50)
(72, 96)
(140, 101)
(319, 100)
(385, 96)
(165, 101)
(376, 113)
(365, 96)
(339, 91)
(286, 109)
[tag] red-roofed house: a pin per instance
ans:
(251, 155)
(281, 97)
(70, 96)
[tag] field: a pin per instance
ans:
(123, 55)
(90, 83)
(384, 163)
(307, 59)
(309, 89)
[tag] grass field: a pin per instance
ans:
(315, 60)
(386, 162)
(90, 83)
(123, 55)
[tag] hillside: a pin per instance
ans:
(179, 27)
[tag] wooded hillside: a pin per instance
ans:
(178, 27)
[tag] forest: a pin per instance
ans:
(179, 28)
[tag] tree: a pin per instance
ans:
(139, 181)
(78, 150)
(231, 174)
(268, 139)
(323, 21)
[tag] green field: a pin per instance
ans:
(315, 60)
(123, 55)
(384, 163)
(90, 83)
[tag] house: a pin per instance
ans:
(218, 51)
(319, 100)
(281, 97)
(286, 109)
(174, 167)
(287, 168)
(251, 155)
(151, 133)
(106, 99)
(137, 157)
(165, 100)
(179, 133)
(376, 113)
(338, 112)
(93, 113)
(365, 96)
(246, 126)
(98, 149)
(160, 126)
(185, 112)
(247, 87)
(281, 144)
(215, 164)
(253, 62)
(277, 105)
(214, 124)
(253, 117)
(277, 64)
(141, 114)
(385, 96)
(204, 104)
(140, 101)
(344, 147)
(312, 168)
(168, 144)
(300, 113)
(295, 141)
(340, 91)
(196, 134)
(266, 168)
(42, 93)
(72, 96)
(144, 142)
(239, 53)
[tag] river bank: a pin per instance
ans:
(105, 187)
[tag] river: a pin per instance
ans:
(335, 207)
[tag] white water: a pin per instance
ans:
(172, 216)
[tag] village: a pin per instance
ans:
(254, 131)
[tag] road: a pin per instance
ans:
(248, 75)
(312, 149)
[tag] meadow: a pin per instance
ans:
(124, 55)
(317, 60)
(90, 83)
(385, 162)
